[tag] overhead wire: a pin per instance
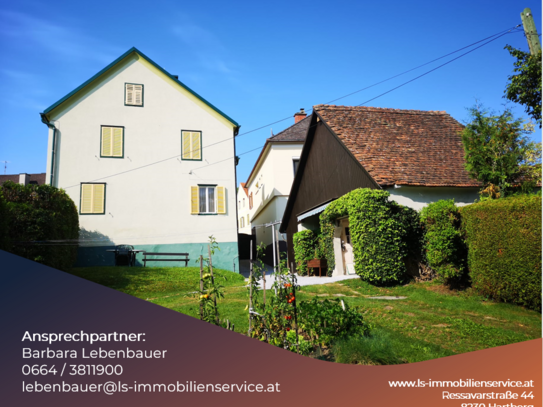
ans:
(493, 38)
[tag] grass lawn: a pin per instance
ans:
(431, 322)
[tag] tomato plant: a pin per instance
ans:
(210, 290)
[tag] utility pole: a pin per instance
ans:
(530, 31)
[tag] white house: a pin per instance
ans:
(147, 161)
(268, 185)
(244, 222)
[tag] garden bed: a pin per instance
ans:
(431, 322)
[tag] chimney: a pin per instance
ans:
(300, 115)
(24, 179)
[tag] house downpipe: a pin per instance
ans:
(53, 146)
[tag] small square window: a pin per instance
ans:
(93, 199)
(191, 145)
(133, 94)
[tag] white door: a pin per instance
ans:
(347, 248)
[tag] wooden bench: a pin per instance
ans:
(317, 263)
(185, 257)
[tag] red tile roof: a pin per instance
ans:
(402, 147)
(244, 187)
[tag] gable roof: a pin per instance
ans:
(244, 187)
(401, 147)
(296, 132)
(293, 134)
(119, 60)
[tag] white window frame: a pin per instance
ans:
(134, 93)
(207, 208)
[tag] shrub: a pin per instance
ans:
(325, 321)
(4, 218)
(38, 214)
(380, 231)
(305, 243)
(504, 248)
(443, 243)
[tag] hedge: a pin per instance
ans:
(383, 234)
(4, 218)
(37, 216)
(504, 248)
(304, 249)
(444, 247)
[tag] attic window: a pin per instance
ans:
(133, 94)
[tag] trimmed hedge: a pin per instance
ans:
(443, 243)
(42, 213)
(304, 249)
(380, 232)
(4, 225)
(504, 248)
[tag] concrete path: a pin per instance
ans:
(244, 270)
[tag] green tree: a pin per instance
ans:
(524, 87)
(496, 148)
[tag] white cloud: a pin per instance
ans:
(62, 41)
(206, 47)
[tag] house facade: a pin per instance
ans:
(268, 185)
(415, 155)
(244, 222)
(143, 158)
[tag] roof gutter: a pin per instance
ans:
(50, 125)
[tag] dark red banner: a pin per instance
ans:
(69, 342)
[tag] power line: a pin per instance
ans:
(501, 34)
(436, 68)
(494, 37)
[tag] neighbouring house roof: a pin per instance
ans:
(244, 187)
(401, 147)
(119, 60)
(294, 134)
(38, 179)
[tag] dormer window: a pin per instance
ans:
(133, 94)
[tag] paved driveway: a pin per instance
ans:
(244, 270)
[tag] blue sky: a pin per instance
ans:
(259, 62)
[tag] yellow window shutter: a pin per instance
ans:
(86, 198)
(117, 142)
(194, 203)
(186, 145)
(98, 198)
(106, 141)
(221, 200)
(129, 94)
(248, 220)
(138, 93)
(196, 146)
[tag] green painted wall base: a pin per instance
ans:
(226, 258)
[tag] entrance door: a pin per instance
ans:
(347, 248)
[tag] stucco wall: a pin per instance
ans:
(273, 211)
(148, 205)
(418, 197)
